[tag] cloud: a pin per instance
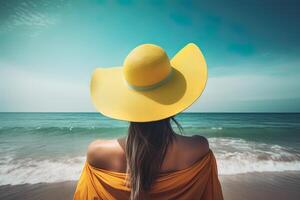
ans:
(23, 91)
(30, 15)
(251, 93)
(27, 91)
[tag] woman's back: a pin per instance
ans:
(188, 171)
(182, 153)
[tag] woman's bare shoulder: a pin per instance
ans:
(201, 142)
(96, 151)
(105, 154)
(195, 147)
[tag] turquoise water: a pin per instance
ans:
(50, 147)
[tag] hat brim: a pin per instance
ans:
(115, 99)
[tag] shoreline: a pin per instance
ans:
(258, 186)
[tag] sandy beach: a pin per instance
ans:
(258, 186)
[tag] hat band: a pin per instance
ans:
(153, 86)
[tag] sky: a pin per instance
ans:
(49, 49)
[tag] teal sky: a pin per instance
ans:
(48, 50)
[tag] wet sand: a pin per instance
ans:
(258, 186)
(262, 186)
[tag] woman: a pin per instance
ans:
(152, 161)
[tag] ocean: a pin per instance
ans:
(51, 147)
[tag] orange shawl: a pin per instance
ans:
(199, 181)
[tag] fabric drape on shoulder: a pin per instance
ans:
(199, 181)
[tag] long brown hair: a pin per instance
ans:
(146, 146)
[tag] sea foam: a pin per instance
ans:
(234, 156)
(237, 156)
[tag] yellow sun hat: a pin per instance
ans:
(149, 86)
